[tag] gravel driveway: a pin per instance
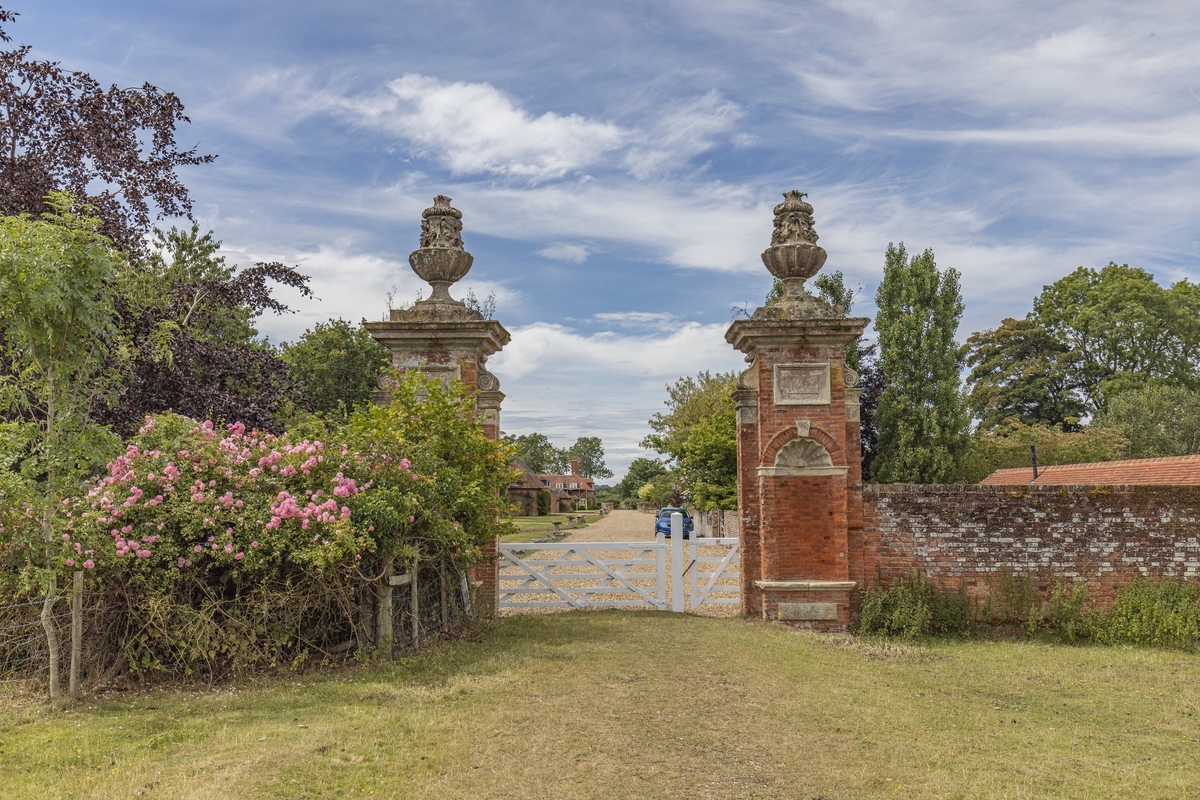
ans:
(620, 526)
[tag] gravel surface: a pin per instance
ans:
(620, 526)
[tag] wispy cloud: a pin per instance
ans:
(565, 251)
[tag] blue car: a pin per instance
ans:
(662, 523)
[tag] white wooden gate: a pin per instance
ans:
(583, 575)
(714, 576)
(703, 571)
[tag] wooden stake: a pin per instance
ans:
(445, 603)
(383, 607)
(416, 619)
(52, 641)
(76, 632)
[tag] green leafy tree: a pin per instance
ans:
(1021, 370)
(1123, 330)
(689, 401)
(641, 471)
(590, 452)
(699, 435)
(1007, 446)
(335, 365)
(1157, 420)
(57, 315)
(657, 491)
(921, 418)
(539, 453)
(708, 467)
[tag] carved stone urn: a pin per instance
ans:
(794, 256)
(441, 259)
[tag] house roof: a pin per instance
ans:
(1172, 470)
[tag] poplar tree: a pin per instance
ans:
(921, 419)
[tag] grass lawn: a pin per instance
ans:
(642, 704)
(538, 527)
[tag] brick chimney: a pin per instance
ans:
(574, 466)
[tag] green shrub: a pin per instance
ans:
(1012, 599)
(915, 606)
(221, 551)
(1165, 614)
(543, 502)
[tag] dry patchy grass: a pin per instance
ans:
(638, 705)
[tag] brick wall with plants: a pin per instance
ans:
(1108, 564)
(969, 535)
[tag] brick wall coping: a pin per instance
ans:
(806, 586)
(975, 488)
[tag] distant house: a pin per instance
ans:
(581, 491)
(567, 492)
(1169, 471)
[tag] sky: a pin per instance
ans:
(616, 163)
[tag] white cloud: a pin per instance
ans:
(564, 251)
(656, 320)
(566, 384)
(476, 128)
(682, 130)
(708, 226)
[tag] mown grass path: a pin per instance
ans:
(610, 704)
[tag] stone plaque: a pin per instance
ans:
(808, 611)
(801, 384)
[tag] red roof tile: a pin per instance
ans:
(1169, 471)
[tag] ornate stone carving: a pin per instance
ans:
(793, 220)
(441, 259)
(803, 453)
(743, 378)
(794, 256)
(441, 225)
(850, 378)
(486, 381)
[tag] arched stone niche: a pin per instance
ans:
(802, 456)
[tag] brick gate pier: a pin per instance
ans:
(798, 439)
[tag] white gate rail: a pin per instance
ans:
(576, 575)
(621, 574)
(721, 584)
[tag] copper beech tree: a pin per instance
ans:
(184, 316)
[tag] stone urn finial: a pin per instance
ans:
(441, 259)
(794, 256)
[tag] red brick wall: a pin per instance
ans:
(968, 534)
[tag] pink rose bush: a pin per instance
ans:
(213, 548)
(188, 498)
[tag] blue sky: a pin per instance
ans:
(616, 163)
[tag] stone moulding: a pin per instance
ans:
(800, 472)
(806, 586)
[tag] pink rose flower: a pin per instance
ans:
(89, 564)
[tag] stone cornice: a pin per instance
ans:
(485, 336)
(748, 335)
